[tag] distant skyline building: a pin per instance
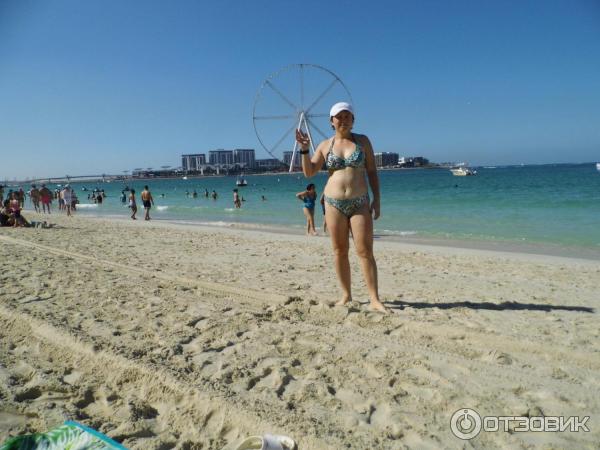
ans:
(384, 159)
(244, 156)
(220, 156)
(287, 159)
(193, 161)
(413, 161)
(269, 164)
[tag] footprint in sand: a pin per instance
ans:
(498, 357)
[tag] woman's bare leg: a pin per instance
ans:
(311, 222)
(338, 226)
(307, 215)
(362, 233)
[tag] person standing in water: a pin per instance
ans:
(236, 199)
(350, 159)
(132, 204)
(148, 202)
(309, 196)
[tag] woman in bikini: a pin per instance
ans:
(348, 157)
(132, 203)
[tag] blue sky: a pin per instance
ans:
(94, 86)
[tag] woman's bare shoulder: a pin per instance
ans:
(324, 145)
(363, 140)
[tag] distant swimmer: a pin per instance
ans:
(194, 194)
(206, 193)
(263, 198)
(214, 194)
(123, 197)
(148, 202)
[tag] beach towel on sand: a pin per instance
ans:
(69, 436)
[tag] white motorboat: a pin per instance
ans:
(597, 166)
(241, 181)
(463, 172)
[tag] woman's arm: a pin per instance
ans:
(373, 178)
(301, 195)
(310, 166)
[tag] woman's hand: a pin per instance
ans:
(375, 209)
(302, 139)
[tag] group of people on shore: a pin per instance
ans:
(41, 200)
(14, 203)
(147, 202)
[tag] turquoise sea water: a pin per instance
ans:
(557, 204)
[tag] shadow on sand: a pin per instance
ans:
(505, 306)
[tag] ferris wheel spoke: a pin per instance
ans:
(302, 85)
(317, 115)
(331, 85)
(312, 124)
(278, 92)
(273, 117)
(293, 127)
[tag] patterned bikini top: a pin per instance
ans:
(356, 159)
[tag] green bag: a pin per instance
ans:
(69, 436)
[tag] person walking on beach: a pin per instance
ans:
(67, 197)
(21, 197)
(148, 202)
(34, 196)
(309, 196)
(46, 197)
(132, 204)
(350, 160)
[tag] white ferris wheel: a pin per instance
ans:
(297, 96)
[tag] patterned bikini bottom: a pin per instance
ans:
(348, 206)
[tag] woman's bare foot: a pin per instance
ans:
(377, 306)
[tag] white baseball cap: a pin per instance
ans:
(339, 107)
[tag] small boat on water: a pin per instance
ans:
(597, 166)
(241, 181)
(463, 172)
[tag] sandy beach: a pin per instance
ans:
(170, 336)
